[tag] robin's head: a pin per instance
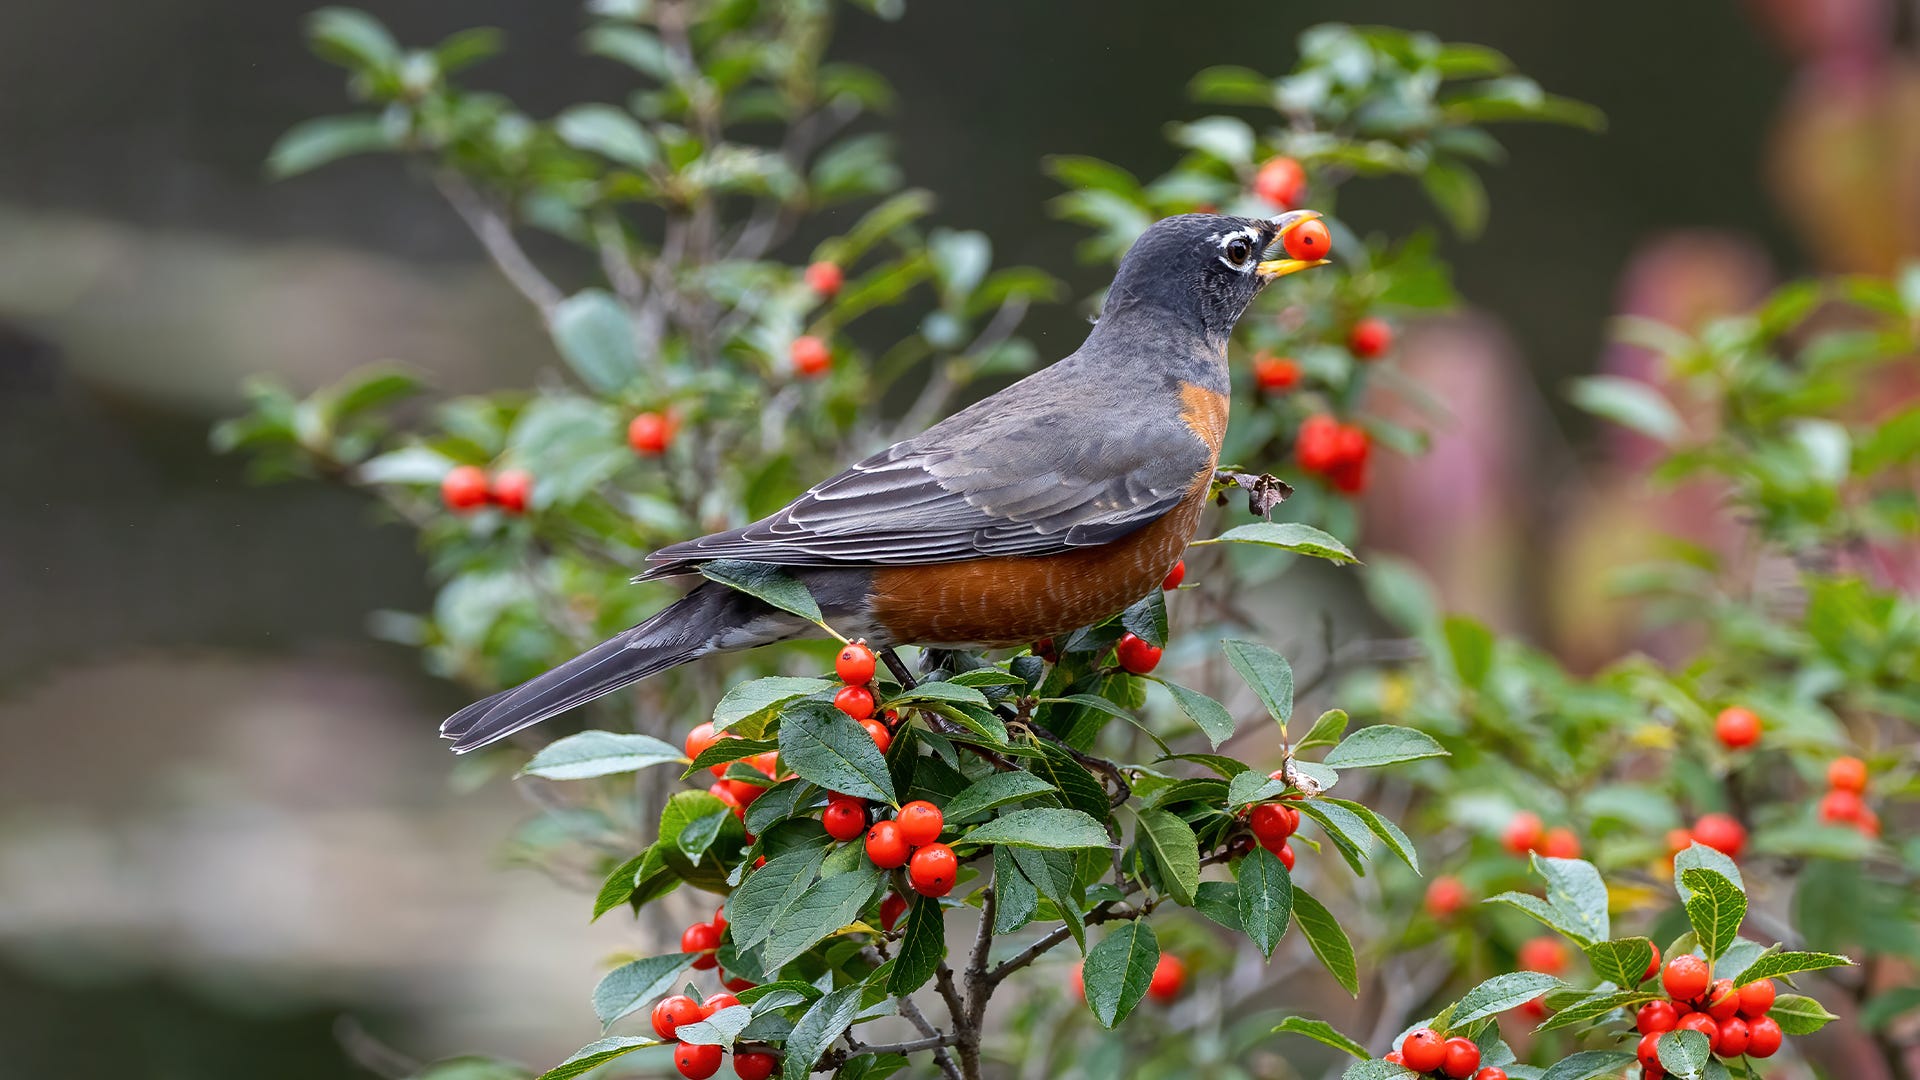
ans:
(1205, 268)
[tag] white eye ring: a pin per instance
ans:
(1246, 239)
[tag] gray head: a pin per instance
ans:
(1203, 269)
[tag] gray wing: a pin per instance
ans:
(1009, 479)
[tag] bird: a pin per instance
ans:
(1045, 507)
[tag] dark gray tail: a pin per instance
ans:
(711, 618)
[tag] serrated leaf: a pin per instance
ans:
(1053, 874)
(1576, 891)
(1219, 901)
(1289, 536)
(768, 892)
(1321, 1032)
(1329, 941)
(720, 1029)
(1700, 856)
(1146, 619)
(922, 947)
(1251, 787)
(1377, 1069)
(1382, 744)
(635, 985)
(765, 582)
(1176, 851)
(599, 753)
(994, 789)
(817, 1028)
(1620, 962)
(826, 746)
(1588, 1064)
(1267, 672)
(1500, 993)
(727, 751)
(595, 1054)
(1118, 970)
(618, 886)
(1016, 899)
(1715, 909)
(1775, 965)
(1264, 898)
(1684, 1053)
(1211, 717)
(1396, 840)
(827, 905)
(1593, 1007)
(747, 707)
(779, 802)
(940, 691)
(1042, 827)
(1800, 1015)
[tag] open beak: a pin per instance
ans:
(1282, 225)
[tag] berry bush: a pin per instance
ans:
(985, 864)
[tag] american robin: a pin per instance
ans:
(1048, 506)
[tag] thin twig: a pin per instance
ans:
(491, 228)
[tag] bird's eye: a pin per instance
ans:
(1239, 250)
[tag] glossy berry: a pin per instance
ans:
(512, 489)
(1756, 998)
(1649, 1053)
(1737, 728)
(1445, 896)
(650, 433)
(1308, 241)
(1491, 1072)
(1732, 1041)
(1655, 1017)
(1463, 1058)
(1686, 977)
(811, 357)
(933, 871)
(720, 789)
(1285, 854)
(1653, 965)
(701, 938)
(717, 1002)
(1174, 576)
(1393, 1057)
(855, 701)
(1847, 774)
(737, 984)
(1370, 338)
(1723, 1001)
(1273, 822)
(767, 763)
(673, 1011)
(1722, 833)
(825, 279)
(844, 818)
(1763, 1037)
(755, 1064)
(891, 909)
(1280, 183)
(1169, 975)
(920, 822)
(696, 1062)
(699, 739)
(886, 847)
(1560, 844)
(1316, 444)
(744, 791)
(1135, 655)
(1523, 833)
(464, 488)
(877, 731)
(1544, 954)
(1534, 1008)
(1423, 1050)
(1839, 806)
(1700, 1022)
(1275, 374)
(855, 664)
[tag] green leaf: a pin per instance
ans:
(310, 144)
(1321, 1032)
(1629, 403)
(720, 1029)
(595, 337)
(1329, 942)
(1267, 672)
(1117, 971)
(1042, 827)
(352, 38)
(1775, 965)
(618, 887)
(766, 582)
(1594, 1006)
(633, 46)
(1588, 1064)
(635, 985)
(609, 132)
(1147, 619)
(1396, 840)
(1576, 891)
(1225, 137)
(1289, 536)
(1699, 856)
(1176, 851)
(595, 1054)
(1349, 834)
(922, 947)
(1715, 909)
(1800, 1015)
(994, 789)
(1376, 1069)
(824, 745)
(748, 707)
(1382, 744)
(1500, 993)
(1620, 962)
(1211, 717)
(1016, 900)
(825, 906)
(1457, 191)
(1326, 731)
(1251, 787)
(1219, 901)
(817, 1028)
(727, 751)
(1264, 891)
(940, 691)
(599, 753)
(1053, 874)
(1684, 1053)
(769, 892)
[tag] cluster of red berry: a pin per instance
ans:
(1721, 832)
(1335, 450)
(737, 794)
(697, 1062)
(468, 487)
(1271, 824)
(1526, 834)
(1843, 803)
(1425, 1051)
(1734, 1019)
(855, 666)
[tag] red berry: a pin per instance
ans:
(1723, 1001)
(744, 791)
(1175, 576)
(1445, 897)
(1686, 977)
(855, 664)
(1649, 1053)
(1544, 954)
(1732, 1041)
(673, 1011)
(1463, 1058)
(1653, 965)
(1560, 844)
(1847, 774)
(1080, 981)
(1350, 476)
(1700, 1022)
(1393, 1057)
(1423, 1050)
(701, 938)
(1315, 445)
(877, 731)
(699, 739)
(1169, 975)
(1280, 182)
(811, 357)
(717, 1002)
(1308, 241)
(512, 489)
(1135, 655)
(738, 985)
(696, 1062)
(1369, 338)
(1523, 833)
(920, 822)
(650, 433)
(886, 847)
(1737, 728)
(1534, 1008)
(933, 871)
(1763, 1037)
(1756, 998)
(1491, 1072)
(1678, 840)
(755, 1064)
(1841, 805)
(719, 790)
(891, 909)
(825, 279)
(1655, 1017)
(1273, 822)
(464, 488)
(1869, 823)
(767, 763)
(855, 701)
(1722, 833)
(844, 818)
(1284, 853)
(1275, 374)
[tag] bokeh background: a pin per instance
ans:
(225, 827)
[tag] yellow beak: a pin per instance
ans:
(1284, 224)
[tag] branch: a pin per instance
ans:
(834, 1059)
(491, 228)
(911, 1010)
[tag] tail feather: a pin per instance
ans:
(683, 631)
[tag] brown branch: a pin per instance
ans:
(495, 234)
